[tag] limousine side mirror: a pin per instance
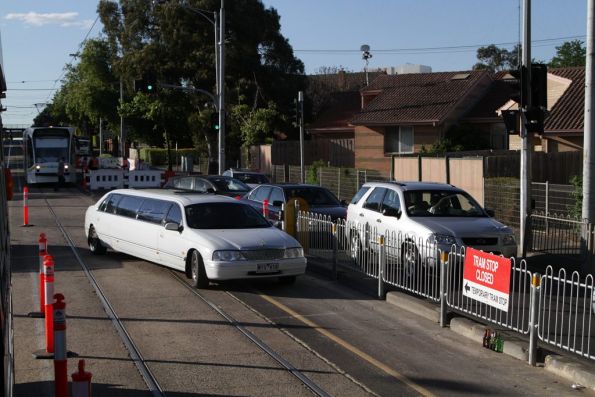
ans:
(173, 226)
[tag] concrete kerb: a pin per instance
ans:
(566, 367)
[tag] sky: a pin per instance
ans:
(39, 36)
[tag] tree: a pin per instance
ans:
(497, 59)
(177, 46)
(570, 53)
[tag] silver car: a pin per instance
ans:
(433, 213)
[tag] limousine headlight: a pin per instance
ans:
(228, 256)
(294, 253)
(508, 239)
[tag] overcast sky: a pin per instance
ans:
(38, 36)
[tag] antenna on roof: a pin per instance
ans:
(365, 49)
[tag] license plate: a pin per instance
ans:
(267, 267)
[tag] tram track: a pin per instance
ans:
(141, 364)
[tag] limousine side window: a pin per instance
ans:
(128, 206)
(110, 204)
(152, 210)
(174, 215)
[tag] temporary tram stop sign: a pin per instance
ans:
(486, 278)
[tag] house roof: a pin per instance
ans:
(342, 81)
(416, 98)
(567, 114)
(497, 95)
(336, 117)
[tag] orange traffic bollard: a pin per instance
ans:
(60, 362)
(43, 251)
(48, 275)
(26, 206)
(81, 382)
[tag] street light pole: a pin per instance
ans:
(221, 88)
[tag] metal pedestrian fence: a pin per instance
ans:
(554, 308)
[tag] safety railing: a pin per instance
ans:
(567, 312)
(557, 234)
(517, 317)
(553, 308)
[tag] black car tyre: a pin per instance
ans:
(94, 242)
(197, 271)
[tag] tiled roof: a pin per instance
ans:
(497, 95)
(567, 115)
(411, 98)
(342, 107)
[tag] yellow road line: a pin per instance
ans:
(383, 367)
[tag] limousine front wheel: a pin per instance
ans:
(197, 270)
(95, 245)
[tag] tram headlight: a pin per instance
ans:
(65, 167)
(37, 167)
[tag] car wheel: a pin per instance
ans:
(287, 280)
(95, 245)
(410, 260)
(355, 248)
(197, 271)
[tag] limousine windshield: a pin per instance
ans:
(224, 216)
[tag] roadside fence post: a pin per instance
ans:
(443, 255)
(335, 248)
(81, 381)
(381, 262)
(533, 322)
(48, 270)
(60, 360)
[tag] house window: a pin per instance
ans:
(398, 139)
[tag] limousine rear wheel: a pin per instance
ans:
(95, 245)
(197, 271)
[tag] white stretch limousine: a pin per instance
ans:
(208, 237)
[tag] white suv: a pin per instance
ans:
(433, 212)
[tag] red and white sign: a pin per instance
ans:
(486, 278)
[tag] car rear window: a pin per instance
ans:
(314, 196)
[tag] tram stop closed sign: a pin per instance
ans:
(486, 278)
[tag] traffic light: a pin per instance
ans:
(215, 121)
(510, 118)
(539, 85)
(534, 115)
(519, 94)
(146, 84)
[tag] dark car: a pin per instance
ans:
(320, 200)
(217, 184)
(251, 178)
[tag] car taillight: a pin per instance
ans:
(237, 197)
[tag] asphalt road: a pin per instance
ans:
(345, 341)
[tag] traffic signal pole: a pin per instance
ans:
(221, 87)
(526, 137)
(588, 208)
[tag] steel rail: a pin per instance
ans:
(317, 390)
(137, 358)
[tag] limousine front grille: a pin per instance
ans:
(263, 254)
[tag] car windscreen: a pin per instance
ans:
(229, 184)
(314, 196)
(232, 215)
(441, 203)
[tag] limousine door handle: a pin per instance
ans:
(379, 220)
(361, 214)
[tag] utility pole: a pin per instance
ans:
(301, 121)
(122, 137)
(526, 137)
(588, 210)
(221, 87)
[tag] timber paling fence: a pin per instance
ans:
(556, 308)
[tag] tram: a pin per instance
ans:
(6, 327)
(43, 149)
